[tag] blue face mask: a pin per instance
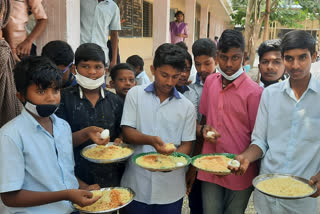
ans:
(247, 68)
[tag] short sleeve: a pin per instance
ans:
(11, 165)
(37, 9)
(189, 130)
(259, 134)
(129, 116)
(115, 22)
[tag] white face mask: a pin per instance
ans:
(233, 76)
(88, 83)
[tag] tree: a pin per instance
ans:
(251, 14)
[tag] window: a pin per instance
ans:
(147, 19)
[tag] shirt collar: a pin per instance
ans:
(151, 88)
(198, 80)
(140, 75)
(237, 82)
(183, 89)
(34, 122)
(81, 92)
(313, 85)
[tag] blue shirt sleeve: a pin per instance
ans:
(259, 134)
(189, 131)
(12, 165)
(115, 22)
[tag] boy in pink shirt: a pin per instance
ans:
(229, 105)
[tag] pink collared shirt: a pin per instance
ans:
(232, 111)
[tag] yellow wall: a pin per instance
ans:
(140, 46)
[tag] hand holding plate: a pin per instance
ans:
(244, 164)
(315, 180)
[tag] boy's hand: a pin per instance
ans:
(24, 48)
(244, 164)
(117, 141)
(82, 197)
(93, 187)
(160, 146)
(315, 180)
(94, 135)
(214, 137)
(190, 178)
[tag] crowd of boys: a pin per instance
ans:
(66, 107)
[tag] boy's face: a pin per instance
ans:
(39, 96)
(91, 69)
(297, 63)
(123, 82)
(231, 61)
(184, 75)
(165, 77)
(271, 66)
(205, 66)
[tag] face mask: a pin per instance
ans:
(88, 83)
(247, 68)
(233, 76)
(41, 110)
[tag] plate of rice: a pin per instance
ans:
(154, 161)
(283, 186)
(216, 163)
(112, 199)
(109, 153)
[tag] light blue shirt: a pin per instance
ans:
(287, 131)
(142, 78)
(198, 87)
(32, 159)
(173, 120)
(96, 20)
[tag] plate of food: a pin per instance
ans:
(112, 199)
(109, 153)
(216, 163)
(283, 186)
(154, 161)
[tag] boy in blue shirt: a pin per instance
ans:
(39, 146)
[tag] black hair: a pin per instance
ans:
(230, 39)
(269, 45)
(89, 51)
(204, 47)
(169, 54)
(38, 70)
(121, 66)
(182, 45)
(298, 39)
(136, 61)
(216, 37)
(59, 52)
(178, 13)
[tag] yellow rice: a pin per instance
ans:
(109, 152)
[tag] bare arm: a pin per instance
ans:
(251, 154)
(133, 136)
(114, 45)
(185, 147)
(26, 198)
(24, 48)
(83, 185)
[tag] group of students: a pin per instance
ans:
(66, 107)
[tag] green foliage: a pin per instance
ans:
(284, 14)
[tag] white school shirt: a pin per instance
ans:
(174, 120)
(96, 20)
(287, 131)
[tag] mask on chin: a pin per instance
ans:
(233, 76)
(44, 110)
(88, 83)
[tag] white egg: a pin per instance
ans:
(179, 164)
(104, 134)
(210, 134)
(234, 163)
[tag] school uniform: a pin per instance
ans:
(173, 120)
(33, 159)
